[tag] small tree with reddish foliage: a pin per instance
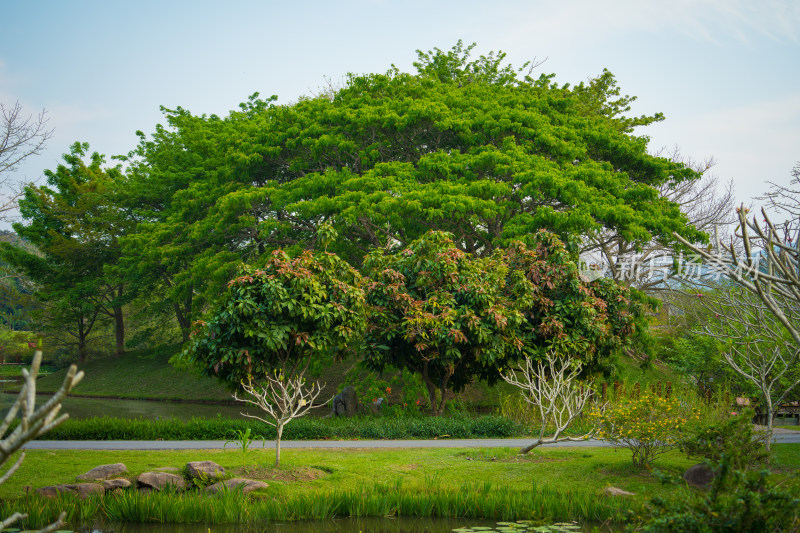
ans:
(563, 313)
(283, 317)
(438, 312)
(453, 318)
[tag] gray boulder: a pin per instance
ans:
(345, 403)
(699, 475)
(102, 472)
(160, 481)
(117, 483)
(246, 485)
(83, 490)
(204, 470)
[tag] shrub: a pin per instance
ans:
(737, 501)
(734, 437)
(648, 425)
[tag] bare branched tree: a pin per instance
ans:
(755, 345)
(33, 422)
(283, 399)
(554, 391)
(763, 317)
(707, 203)
(21, 136)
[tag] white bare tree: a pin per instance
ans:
(762, 318)
(554, 390)
(283, 399)
(755, 345)
(33, 422)
(21, 136)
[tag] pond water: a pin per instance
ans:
(351, 525)
(89, 407)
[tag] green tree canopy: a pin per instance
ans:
(471, 147)
(74, 225)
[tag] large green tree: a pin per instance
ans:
(74, 225)
(471, 147)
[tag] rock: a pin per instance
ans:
(49, 492)
(118, 483)
(616, 491)
(83, 490)
(246, 485)
(160, 480)
(699, 475)
(345, 403)
(204, 470)
(102, 472)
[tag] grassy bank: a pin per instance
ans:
(155, 378)
(551, 483)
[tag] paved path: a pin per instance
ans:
(783, 437)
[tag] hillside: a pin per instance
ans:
(147, 374)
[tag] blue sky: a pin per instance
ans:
(726, 73)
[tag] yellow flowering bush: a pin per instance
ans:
(646, 424)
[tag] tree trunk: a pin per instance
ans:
(278, 445)
(82, 350)
(770, 414)
(119, 330)
(183, 322)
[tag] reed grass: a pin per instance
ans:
(470, 500)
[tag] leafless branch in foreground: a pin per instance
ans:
(33, 423)
(554, 390)
(283, 399)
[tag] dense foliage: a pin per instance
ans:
(468, 146)
(465, 146)
(284, 316)
(74, 226)
(453, 318)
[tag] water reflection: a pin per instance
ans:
(90, 407)
(345, 525)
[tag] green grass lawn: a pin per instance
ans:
(550, 483)
(582, 470)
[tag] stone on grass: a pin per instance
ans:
(83, 490)
(246, 485)
(102, 472)
(204, 470)
(160, 480)
(616, 491)
(117, 483)
(699, 475)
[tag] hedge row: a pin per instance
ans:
(457, 427)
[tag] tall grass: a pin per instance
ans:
(471, 500)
